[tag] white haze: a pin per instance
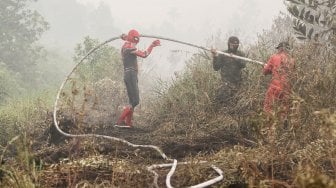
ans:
(194, 21)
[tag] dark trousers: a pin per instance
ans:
(131, 81)
(226, 94)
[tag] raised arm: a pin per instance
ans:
(146, 53)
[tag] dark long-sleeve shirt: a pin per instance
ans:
(230, 68)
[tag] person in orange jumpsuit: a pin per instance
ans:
(129, 54)
(280, 65)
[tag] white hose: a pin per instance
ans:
(212, 181)
(204, 48)
(170, 174)
(163, 155)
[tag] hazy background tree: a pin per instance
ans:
(71, 21)
(20, 30)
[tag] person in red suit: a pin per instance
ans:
(280, 65)
(129, 54)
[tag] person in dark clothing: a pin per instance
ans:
(230, 69)
(129, 54)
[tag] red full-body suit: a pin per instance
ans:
(129, 54)
(280, 65)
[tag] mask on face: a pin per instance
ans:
(233, 43)
(133, 36)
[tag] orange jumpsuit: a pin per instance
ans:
(280, 65)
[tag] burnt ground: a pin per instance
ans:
(177, 140)
(178, 143)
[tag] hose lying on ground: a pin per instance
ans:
(163, 155)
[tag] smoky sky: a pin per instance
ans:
(193, 21)
(190, 20)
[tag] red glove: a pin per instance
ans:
(156, 43)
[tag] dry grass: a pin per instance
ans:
(187, 123)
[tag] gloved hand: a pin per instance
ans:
(214, 52)
(123, 36)
(156, 43)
